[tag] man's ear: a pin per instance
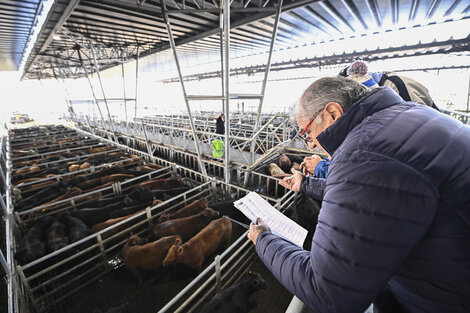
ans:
(334, 110)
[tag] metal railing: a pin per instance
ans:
(461, 116)
(52, 278)
(179, 134)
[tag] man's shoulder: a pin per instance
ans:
(410, 134)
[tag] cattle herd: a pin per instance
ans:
(67, 187)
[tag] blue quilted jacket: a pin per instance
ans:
(395, 213)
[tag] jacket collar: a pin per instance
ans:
(376, 100)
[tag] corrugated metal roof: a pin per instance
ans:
(116, 28)
(16, 22)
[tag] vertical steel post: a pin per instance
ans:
(226, 56)
(92, 91)
(202, 165)
(136, 80)
(221, 31)
(95, 61)
(9, 224)
(147, 142)
(265, 80)
(468, 96)
(124, 90)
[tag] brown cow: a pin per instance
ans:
(85, 165)
(186, 227)
(285, 163)
(140, 255)
(155, 166)
(71, 192)
(163, 184)
(191, 209)
(96, 228)
(101, 149)
(145, 169)
(39, 185)
(31, 169)
(91, 183)
(74, 167)
(194, 252)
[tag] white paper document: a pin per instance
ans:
(253, 206)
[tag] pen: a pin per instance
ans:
(239, 223)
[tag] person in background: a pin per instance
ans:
(394, 226)
(408, 88)
(220, 124)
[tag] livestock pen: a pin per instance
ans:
(79, 271)
(47, 277)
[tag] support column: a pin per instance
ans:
(124, 90)
(226, 74)
(468, 96)
(265, 80)
(201, 163)
(102, 90)
(92, 91)
(136, 80)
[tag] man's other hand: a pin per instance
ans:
(292, 182)
(309, 164)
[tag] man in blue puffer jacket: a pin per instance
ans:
(394, 227)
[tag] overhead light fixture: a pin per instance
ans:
(40, 20)
(57, 37)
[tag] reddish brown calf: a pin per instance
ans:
(140, 255)
(186, 227)
(194, 252)
(191, 209)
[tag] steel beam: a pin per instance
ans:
(124, 90)
(65, 15)
(175, 55)
(95, 61)
(468, 94)
(136, 80)
(225, 4)
(265, 80)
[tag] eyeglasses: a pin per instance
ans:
(309, 123)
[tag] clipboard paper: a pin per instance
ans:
(254, 206)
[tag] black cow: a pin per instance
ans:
(42, 196)
(141, 194)
(123, 308)
(57, 236)
(76, 228)
(33, 246)
(234, 299)
(93, 216)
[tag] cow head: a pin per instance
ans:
(255, 281)
(135, 240)
(175, 255)
(163, 218)
(210, 213)
(285, 163)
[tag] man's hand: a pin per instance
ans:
(309, 164)
(256, 229)
(293, 182)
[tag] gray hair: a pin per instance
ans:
(329, 89)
